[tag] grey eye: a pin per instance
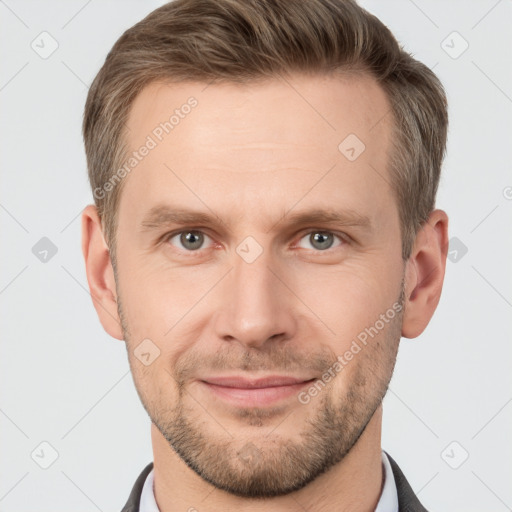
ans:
(320, 240)
(190, 240)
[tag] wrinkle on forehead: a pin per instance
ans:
(310, 112)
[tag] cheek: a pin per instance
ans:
(156, 299)
(366, 361)
(348, 301)
(154, 382)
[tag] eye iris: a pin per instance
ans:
(191, 239)
(325, 240)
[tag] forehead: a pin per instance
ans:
(322, 109)
(235, 142)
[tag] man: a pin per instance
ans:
(263, 234)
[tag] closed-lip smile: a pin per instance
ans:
(251, 392)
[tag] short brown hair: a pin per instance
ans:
(247, 40)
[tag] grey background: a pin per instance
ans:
(64, 381)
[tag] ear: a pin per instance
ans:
(100, 274)
(425, 271)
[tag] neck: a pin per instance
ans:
(354, 484)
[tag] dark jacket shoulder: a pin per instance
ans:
(132, 505)
(407, 500)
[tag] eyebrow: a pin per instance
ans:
(163, 215)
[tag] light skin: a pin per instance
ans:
(252, 157)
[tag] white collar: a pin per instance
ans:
(388, 501)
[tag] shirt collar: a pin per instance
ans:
(388, 501)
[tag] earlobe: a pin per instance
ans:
(100, 274)
(425, 271)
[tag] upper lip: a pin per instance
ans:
(263, 382)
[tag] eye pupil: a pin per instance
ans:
(191, 239)
(324, 240)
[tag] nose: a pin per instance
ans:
(256, 307)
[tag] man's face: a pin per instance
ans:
(251, 292)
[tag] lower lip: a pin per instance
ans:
(243, 397)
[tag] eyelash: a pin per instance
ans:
(341, 236)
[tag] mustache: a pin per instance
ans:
(279, 360)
